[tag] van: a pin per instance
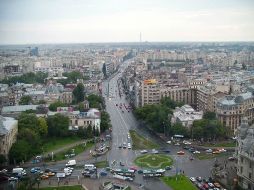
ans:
(71, 163)
(89, 167)
(19, 171)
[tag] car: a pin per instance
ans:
(122, 164)
(231, 158)
(165, 150)
(199, 179)
(35, 170)
(180, 152)
(143, 151)
(211, 185)
(120, 146)
(129, 146)
(222, 150)
(193, 180)
(217, 185)
(216, 152)
(50, 174)
(169, 142)
(3, 171)
(209, 150)
(116, 104)
(134, 168)
(177, 144)
(128, 179)
(122, 111)
(44, 176)
(192, 150)
(168, 168)
(186, 142)
(140, 171)
(12, 179)
(186, 147)
(103, 173)
(196, 152)
(124, 145)
(155, 151)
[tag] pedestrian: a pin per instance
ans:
(183, 172)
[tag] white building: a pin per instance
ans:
(186, 115)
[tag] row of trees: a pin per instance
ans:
(29, 78)
(33, 132)
(157, 117)
(72, 77)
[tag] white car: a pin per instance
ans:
(169, 142)
(155, 151)
(143, 151)
(193, 179)
(196, 152)
(186, 142)
(177, 144)
(209, 150)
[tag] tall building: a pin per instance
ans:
(34, 52)
(150, 92)
(245, 155)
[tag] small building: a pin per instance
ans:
(14, 111)
(8, 134)
(186, 115)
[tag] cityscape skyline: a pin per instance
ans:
(47, 22)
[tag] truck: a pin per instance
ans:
(60, 174)
(19, 171)
(71, 163)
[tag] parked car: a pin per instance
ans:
(103, 173)
(193, 180)
(180, 152)
(168, 168)
(143, 151)
(209, 150)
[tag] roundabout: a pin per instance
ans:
(153, 161)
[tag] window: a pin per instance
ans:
(250, 175)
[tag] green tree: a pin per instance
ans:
(25, 100)
(19, 151)
(43, 127)
(29, 121)
(79, 93)
(42, 102)
(89, 131)
(3, 160)
(53, 106)
(179, 129)
(95, 101)
(81, 107)
(105, 121)
(104, 70)
(58, 125)
(209, 115)
(73, 76)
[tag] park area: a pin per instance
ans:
(180, 182)
(153, 161)
(139, 142)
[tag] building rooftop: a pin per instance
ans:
(19, 108)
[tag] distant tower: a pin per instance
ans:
(140, 37)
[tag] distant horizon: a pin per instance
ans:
(118, 21)
(123, 42)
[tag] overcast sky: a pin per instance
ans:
(71, 21)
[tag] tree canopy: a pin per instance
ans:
(78, 93)
(95, 101)
(25, 100)
(58, 125)
(53, 106)
(28, 78)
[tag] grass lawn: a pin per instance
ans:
(75, 187)
(153, 161)
(77, 150)
(225, 144)
(182, 183)
(56, 143)
(140, 142)
(204, 156)
(102, 164)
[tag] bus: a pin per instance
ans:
(153, 173)
(124, 172)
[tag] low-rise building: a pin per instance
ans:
(8, 134)
(231, 109)
(14, 111)
(186, 115)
